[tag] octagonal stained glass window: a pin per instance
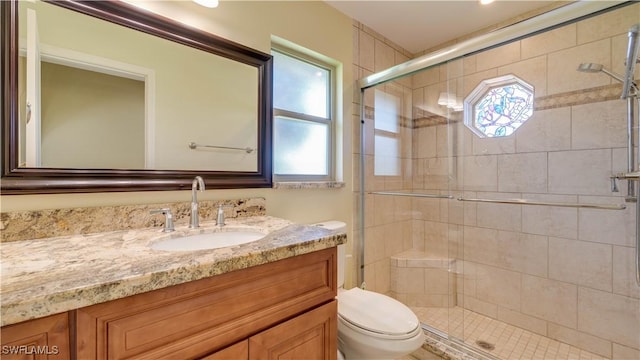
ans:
(498, 106)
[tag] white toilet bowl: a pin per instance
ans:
(375, 326)
(372, 326)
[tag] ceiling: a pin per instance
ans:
(422, 24)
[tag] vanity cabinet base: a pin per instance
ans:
(196, 319)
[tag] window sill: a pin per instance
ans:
(309, 185)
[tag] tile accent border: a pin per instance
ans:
(39, 224)
(309, 185)
(423, 118)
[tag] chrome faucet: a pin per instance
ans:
(198, 183)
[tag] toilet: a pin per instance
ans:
(371, 325)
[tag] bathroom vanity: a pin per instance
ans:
(273, 298)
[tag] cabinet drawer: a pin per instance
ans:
(196, 318)
(45, 338)
(310, 336)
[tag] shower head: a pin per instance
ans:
(590, 67)
(595, 68)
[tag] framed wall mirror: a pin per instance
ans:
(103, 96)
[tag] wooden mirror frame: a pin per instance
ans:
(16, 180)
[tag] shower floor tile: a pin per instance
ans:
(509, 342)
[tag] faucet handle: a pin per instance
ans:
(220, 217)
(168, 218)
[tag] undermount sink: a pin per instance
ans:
(213, 240)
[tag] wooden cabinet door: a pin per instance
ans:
(238, 351)
(42, 339)
(310, 336)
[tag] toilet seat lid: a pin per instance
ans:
(376, 312)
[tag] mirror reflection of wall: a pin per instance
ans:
(85, 113)
(188, 95)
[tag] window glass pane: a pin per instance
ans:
(299, 86)
(300, 147)
(387, 111)
(387, 156)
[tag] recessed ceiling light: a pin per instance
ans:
(207, 3)
(486, 2)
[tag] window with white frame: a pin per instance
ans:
(303, 109)
(386, 135)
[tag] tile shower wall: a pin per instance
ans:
(560, 272)
(388, 220)
(564, 273)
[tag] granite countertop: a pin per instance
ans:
(48, 276)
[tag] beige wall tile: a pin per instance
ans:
(562, 76)
(435, 239)
(437, 281)
(469, 65)
(454, 68)
(579, 339)
(409, 280)
(550, 220)
(425, 146)
(436, 173)
(497, 145)
(366, 51)
(480, 172)
(383, 209)
(370, 277)
(580, 172)
(608, 24)
(471, 81)
(549, 41)
(480, 245)
(550, 300)
(621, 352)
(456, 243)
(499, 216)
(427, 209)
(402, 208)
(393, 241)
(467, 279)
(522, 172)
(615, 227)
(498, 286)
(356, 44)
(609, 316)
(546, 130)
(417, 235)
(374, 245)
(533, 71)
(426, 77)
(384, 56)
(581, 262)
(523, 321)
(443, 141)
(479, 306)
(502, 55)
(599, 125)
(624, 272)
(383, 273)
(525, 253)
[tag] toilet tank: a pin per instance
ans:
(337, 226)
